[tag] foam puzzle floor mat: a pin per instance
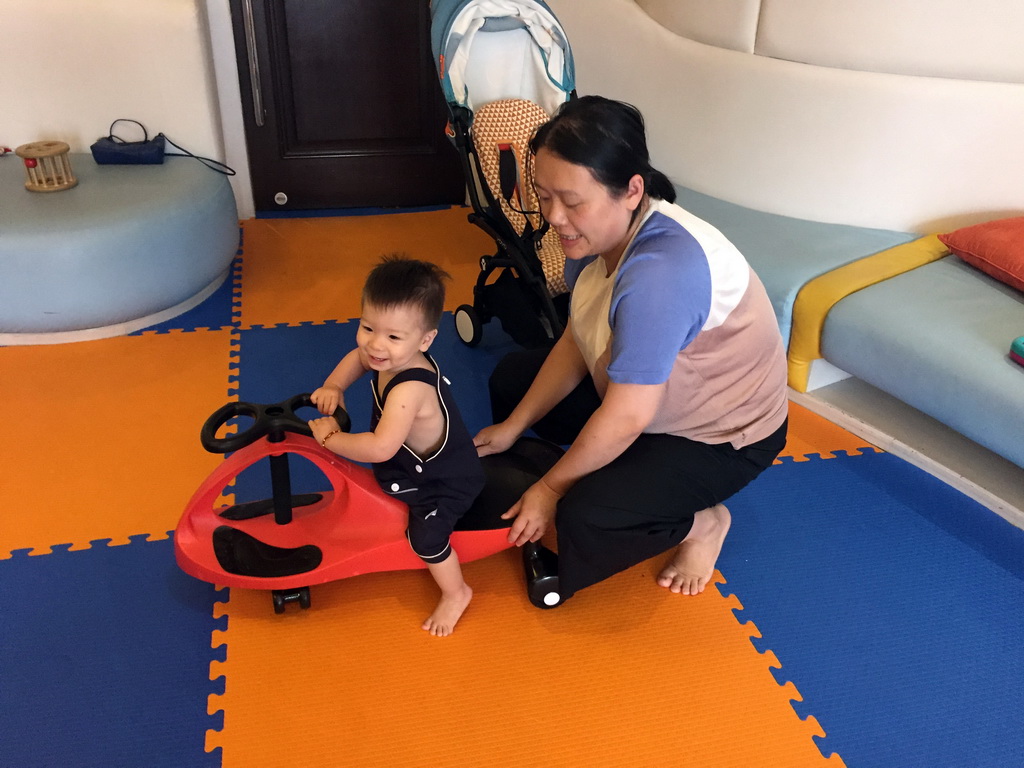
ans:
(863, 613)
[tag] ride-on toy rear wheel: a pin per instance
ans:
(284, 596)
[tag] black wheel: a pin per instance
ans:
(298, 595)
(468, 325)
(541, 569)
(543, 592)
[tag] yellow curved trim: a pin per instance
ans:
(819, 295)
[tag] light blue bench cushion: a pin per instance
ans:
(786, 252)
(938, 338)
(128, 242)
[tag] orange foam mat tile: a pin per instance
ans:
(312, 270)
(623, 674)
(811, 434)
(102, 438)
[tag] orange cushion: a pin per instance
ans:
(994, 247)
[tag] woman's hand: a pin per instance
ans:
(327, 399)
(322, 427)
(497, 438)
(534, 513)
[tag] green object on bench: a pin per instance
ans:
(1017, 350)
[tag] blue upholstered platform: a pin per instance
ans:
(129, 246)
(938, 338)
(786, 252)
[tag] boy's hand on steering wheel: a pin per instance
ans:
(324, 426)
(327, 399)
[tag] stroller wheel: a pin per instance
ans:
(468, 325)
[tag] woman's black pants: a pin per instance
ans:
(642, 503)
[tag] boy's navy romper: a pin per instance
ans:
(438, 488)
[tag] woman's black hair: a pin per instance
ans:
(608, 137)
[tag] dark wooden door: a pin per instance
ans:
(342, 105)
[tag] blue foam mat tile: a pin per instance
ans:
(903, 639)
(858, 451)
(215, 312)
(105, 659)
(787, 460)
(468, 368)
(277, 362)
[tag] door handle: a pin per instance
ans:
(254, 62)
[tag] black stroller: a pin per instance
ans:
(505, 67)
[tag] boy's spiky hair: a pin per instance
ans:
(399, 280)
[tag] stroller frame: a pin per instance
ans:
(510, 59)
(514, 251)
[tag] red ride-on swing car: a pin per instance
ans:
(290, 542)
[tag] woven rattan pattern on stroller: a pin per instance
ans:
(533, 264)
(507, 125)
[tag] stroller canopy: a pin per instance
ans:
(486, 50)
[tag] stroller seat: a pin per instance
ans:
(505, 67)
(503, 127)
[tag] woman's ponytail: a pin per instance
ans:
(659, 186)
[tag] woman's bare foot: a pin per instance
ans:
(693, 564)
(441, 622)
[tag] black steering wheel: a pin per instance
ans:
(268, 421)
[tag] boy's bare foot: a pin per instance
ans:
(441, 622)
(693, 564)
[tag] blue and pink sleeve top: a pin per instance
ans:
(684, 307)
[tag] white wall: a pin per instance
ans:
(70, 67)
(951, 39)
(734, 108)
(809, 132)
(229, 99)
